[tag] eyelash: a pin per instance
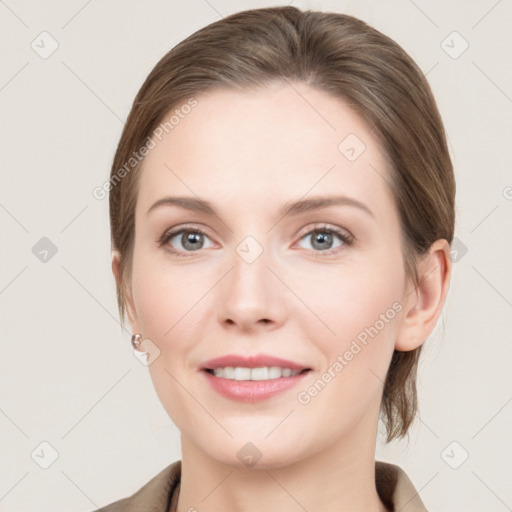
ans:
(346, 238)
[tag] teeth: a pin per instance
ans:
(264, 373)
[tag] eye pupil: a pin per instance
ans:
(322, 238)
(191, 238)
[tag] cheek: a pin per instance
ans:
(363, 310)
(163, 294)
(349, 299)
(359, 308)
(154, 303)
(167, 300)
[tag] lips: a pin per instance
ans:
(254, 361)
(251, 391)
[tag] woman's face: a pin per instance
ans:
(259, 281)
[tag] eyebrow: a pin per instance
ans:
(289, 208)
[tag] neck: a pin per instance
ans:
(341, 477)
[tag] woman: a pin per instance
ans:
(282, 208)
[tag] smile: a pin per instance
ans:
(263, 373)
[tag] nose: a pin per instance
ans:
(251, 297)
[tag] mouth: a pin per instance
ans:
(252, 378)
(262, 366)
(264, 373)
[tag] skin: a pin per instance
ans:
(248, 153)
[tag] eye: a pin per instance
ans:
(323, 238)
(184, 239)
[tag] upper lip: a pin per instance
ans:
(254, 361)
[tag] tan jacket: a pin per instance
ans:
(160, 494)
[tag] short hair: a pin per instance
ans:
(346, 58)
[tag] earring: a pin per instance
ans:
(136, 340)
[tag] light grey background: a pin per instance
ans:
(67, 373)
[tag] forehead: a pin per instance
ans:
(285, 139)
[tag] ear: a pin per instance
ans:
(129, 304)
(423, 303)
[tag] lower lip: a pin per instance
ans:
(252, 390)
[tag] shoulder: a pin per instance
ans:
(153, 496)
(395, 488)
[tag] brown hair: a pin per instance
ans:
(335, 53)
